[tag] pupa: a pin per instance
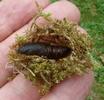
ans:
(45, 50)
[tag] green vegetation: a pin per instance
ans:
(49, 72)
(92, 19)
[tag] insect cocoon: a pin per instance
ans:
(47, 55)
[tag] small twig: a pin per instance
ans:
(43, 77)
(29, 70)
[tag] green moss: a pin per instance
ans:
(47, 72)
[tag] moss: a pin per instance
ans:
(47, 72)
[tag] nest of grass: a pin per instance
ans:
(46, 73)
